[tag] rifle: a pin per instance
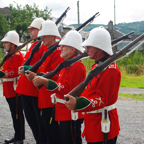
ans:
(35, 48)
(36, 66)
(38, 45)
(121, 38)
(79, 89)
(62, 65)
(14, 51)
(61, 17)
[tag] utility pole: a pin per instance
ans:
(114, 16)
(115, 48)
(78, 13)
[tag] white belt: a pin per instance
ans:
(105, 123)
(11, 80)
(108, 108)
(8, 79)
(54, 99)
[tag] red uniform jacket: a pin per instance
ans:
(100, 92)
(11, 67)
(52, 61)
(25, 86)
(69, 78)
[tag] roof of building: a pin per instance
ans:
(4, 11)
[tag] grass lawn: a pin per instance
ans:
(132, 81)
(139, 97)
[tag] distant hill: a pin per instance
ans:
(137, 27)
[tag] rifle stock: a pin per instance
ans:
(36, 47)
(121, 38)
(14, 51)
(36, 66)
(62, 65)
(79, 89)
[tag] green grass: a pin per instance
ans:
(88, 63)
(127, 80)
(139, 97)
(1, 55)
(132, 81)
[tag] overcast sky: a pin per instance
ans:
(125, 10)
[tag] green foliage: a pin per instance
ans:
(137, 27)
(133, 64)
(132, 69)
(21, 17)
(4, 27)
(88, 63)
(1, 54)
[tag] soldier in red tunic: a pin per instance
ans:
(10, 69)
(68, 78)
(101, 93)
(28, 91)
(48, 33)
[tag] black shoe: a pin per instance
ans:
(7, 141)
(18, 142)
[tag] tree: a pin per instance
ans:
(4, 26)
(21, 17)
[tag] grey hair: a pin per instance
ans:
(76, 51)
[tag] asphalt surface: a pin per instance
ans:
(131, 117)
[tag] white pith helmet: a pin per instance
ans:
(48, 27)
(11, 36)
(73, 39)
(36, 23)
(99, 38)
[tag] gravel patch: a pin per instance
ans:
(131, 117)
(131, 90)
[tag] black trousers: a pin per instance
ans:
(35, 121)
(53, 129)
(112, 141)
(71, 131)
(15, 106)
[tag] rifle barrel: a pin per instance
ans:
(79, 89)
(37, 46)
(14, 51)
(88, 21)
(121, 38)
(36, 66)
(60, 18)
(62, 65)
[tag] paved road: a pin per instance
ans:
(131, 91)
(131, 117)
